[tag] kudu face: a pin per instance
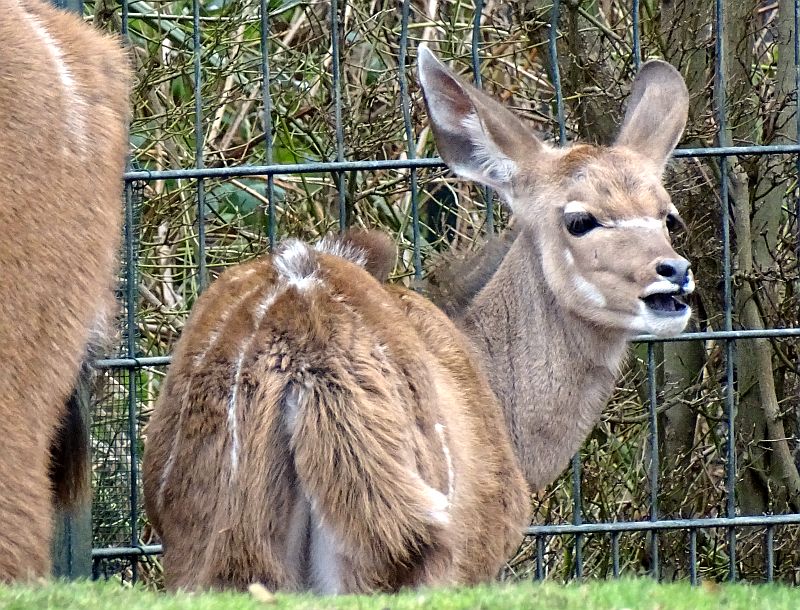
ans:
(599, 216)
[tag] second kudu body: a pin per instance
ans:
(321, 430)
(63, 141)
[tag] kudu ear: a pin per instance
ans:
(478, 137)
(657, 112)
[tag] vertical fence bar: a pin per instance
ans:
(615, 554)
(124, 25)
(770, 552)
(539, 557)
(411, 142)
(130, 303)
(693, 556)
(637, 45)
(267, 117)
(337, 109)
(199, 142)
(797, 123)
(72, 535)
(577, 513)
(730, 407)
(654, 463)
(577, 504)
(488, 195)
(556, 75)
(133, 432)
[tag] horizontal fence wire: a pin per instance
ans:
(400, 164)
(340, 165)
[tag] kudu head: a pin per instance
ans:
(599, 217)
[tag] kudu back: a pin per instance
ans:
(320, 429)
(63, 141)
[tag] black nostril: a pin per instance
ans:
(674, 270)
(665, 269)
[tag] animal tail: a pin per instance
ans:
(353, 459)
(69, 450)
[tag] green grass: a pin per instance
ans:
(626, 594)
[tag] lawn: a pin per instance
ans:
(619, 595)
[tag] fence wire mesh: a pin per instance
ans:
(260, 120)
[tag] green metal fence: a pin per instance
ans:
(554, 548)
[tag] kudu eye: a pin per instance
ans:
(580, 223)
(674, 224)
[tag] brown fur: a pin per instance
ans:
(320, 430)
(371, 392)
(458, 277)
(377, 248)
(61, 166)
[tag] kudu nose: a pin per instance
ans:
(674, 269)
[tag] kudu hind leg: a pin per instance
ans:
(372, 510)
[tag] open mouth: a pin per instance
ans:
(666, 304)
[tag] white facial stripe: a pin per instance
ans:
(574, 207)
(568, 257)
(637, 223)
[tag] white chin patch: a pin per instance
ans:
(653, 323)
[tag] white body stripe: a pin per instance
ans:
(74, 104)
(233, 403)
(233, 426)
(214, 336)
(448, 459)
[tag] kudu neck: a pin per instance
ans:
(551, 370)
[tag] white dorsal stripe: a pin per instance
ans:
(74, 104)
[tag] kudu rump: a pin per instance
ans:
(63, 140)
(321, 430)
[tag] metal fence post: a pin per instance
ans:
(72, 536)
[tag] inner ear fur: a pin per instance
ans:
(478, 137)
(657, 112)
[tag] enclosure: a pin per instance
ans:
(254, 121)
